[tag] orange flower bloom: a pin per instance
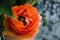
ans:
(27, 20)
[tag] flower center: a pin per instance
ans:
(21, 18)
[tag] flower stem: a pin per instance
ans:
(34, 2)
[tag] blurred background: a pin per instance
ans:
(51, 9)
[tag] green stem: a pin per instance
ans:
(34, 2)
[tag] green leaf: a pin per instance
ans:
(5, 11)
(6, 8)
(44, 23)
(44, 20)
(42, 15)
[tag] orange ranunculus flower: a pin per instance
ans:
(26, 22)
